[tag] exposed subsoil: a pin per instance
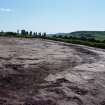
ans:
(44, 72)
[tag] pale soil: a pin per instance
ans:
(44, 72)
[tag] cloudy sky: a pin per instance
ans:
(52, 16)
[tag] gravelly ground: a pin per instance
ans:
(43, 72)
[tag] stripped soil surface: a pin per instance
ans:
(44, 72)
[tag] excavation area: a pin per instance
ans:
(45, 72)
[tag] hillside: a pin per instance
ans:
(98, 35)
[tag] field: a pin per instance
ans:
(45, 72)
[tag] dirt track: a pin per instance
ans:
(42, 72)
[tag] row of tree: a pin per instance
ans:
(84, 38)
(79, 40)
(24, 33)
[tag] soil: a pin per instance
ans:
(45, 72)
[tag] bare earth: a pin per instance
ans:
(43, 72)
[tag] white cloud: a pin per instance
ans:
(5, 9)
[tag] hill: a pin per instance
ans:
(98, 35)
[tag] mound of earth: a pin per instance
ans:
(44, 72)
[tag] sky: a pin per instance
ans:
(52, 16)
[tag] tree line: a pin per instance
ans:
(83, 40)
(23, 33)
(79, 40)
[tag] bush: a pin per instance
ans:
(88, 42)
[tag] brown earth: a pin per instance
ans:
(44, 72)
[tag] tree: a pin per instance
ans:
(35, 35)
(39, 34)
(44, 35)
(54, 36)
(103, 41)
(30, 33)
(27, 33)
(83, 38)
(23, 32)
(11, 34)
(66, 37)
(60, 36)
